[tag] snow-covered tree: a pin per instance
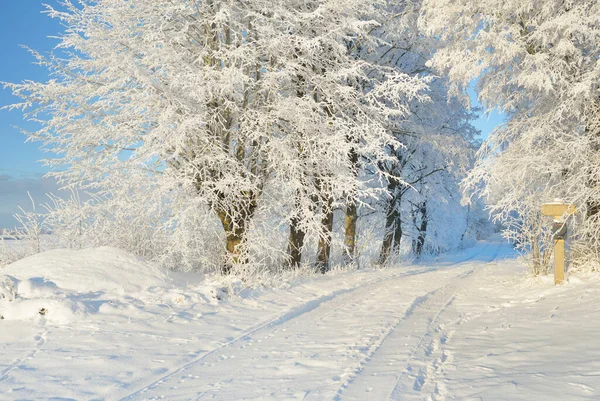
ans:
(431, 164)
(537, 61)
(354, 98)
(436, 139)
(177, 113)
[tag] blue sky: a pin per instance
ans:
(22, 23)
(487, 123)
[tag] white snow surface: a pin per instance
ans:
(470, 326)
(89, 270)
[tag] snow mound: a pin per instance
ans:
(104, 269)
(58, 285)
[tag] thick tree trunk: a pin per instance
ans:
(295, 243)
(234, 236)
(235, 223)
(234, 240)
(324, 248)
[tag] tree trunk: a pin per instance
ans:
(295, 243)
(234, 236)
(397, 229)
(351, 216)
(391, 221)
(296, 237)
(235, 223)
(324, 249)
(234, 240)
(422, 230)
(593, 205)
(350, 236)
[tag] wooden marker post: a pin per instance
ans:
(559, 231)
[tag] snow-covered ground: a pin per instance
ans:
(470, 326)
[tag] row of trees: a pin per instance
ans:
(241, 134)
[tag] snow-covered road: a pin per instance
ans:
(363, 342)
(469, 326)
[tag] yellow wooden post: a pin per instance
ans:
(558, 210)
(559, 261)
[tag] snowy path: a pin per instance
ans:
(469, 326)
(323, 349)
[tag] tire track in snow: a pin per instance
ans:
(340, 298)
(286, 317)
(101, 330)
(420, 302)
(423, 377)
(421, 351)
(438, 300)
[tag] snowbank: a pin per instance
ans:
(89, 270)
(59, 284)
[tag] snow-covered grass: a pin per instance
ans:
(471, 325)
(12, 250)
(521, 338)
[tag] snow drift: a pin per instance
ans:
(56, 284)
(97, 269)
